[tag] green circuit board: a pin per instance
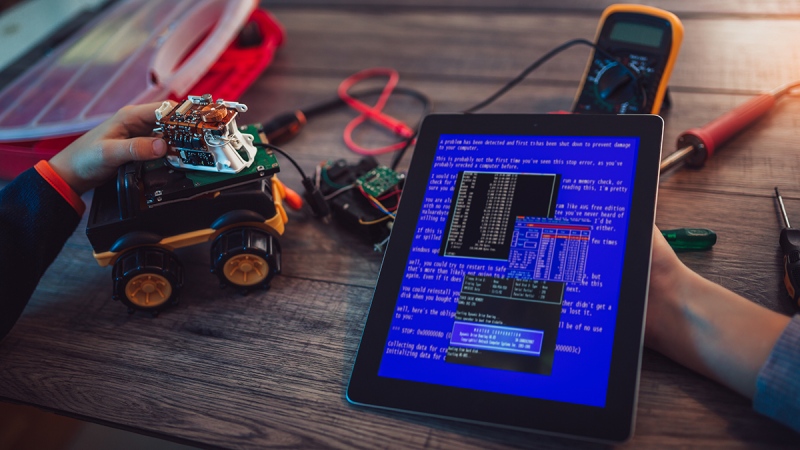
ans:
(379, 181)
(165, 184)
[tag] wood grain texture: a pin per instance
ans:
(742, 166)
(713, 8)
(722, 55)
(269, 369)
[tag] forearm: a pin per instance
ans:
(712, 330)
(35, 221)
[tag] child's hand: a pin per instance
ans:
(95, 156)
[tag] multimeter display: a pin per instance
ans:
(633, 81)
(634, 33)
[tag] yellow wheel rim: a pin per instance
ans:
(148, 290)
(246, 270)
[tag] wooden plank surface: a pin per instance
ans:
(717, 54)
(269, 368)
(713, 8)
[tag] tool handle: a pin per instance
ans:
(790, 245)
(707, 138)
(689, 239)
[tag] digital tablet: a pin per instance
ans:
(514, 286)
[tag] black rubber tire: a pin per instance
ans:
(147, 268)
(252, 246)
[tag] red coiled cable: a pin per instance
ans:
(373, 113)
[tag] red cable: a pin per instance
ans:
(373, 113)
(395, 193)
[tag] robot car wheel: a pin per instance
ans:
(147, 279)
(245, 257)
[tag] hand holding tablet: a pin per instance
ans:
(513, 289)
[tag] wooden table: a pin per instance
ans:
(270, 368)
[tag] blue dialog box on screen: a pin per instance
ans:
(497, 338)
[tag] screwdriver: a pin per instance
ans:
(690, 239)
(697, 145)
(790, 245)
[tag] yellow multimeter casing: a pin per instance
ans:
(644, 42)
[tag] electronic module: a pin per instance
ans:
(202, 135)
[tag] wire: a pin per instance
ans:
(329, 105)
(427, 108)
(375, 113)
(313, 195)
(382, 244)
(373, 222)
(339, 191)
(786, 89)
(286, 155)
(324, 175)
(377, 204)
(535, 65)
(318, 109)
(394, 193)
(401, 152)
(383, 210)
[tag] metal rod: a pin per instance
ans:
(783, 208)
(676, 157)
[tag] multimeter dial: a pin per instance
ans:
(615, 88)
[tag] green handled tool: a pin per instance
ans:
(690, 239)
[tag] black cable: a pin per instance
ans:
(289, 124)
(323, 107)
(329, 105)
(312, 195)
(402, 151)
(283, 152)
(285, 126)
(541, 61)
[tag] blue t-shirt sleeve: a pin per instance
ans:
(778, 384)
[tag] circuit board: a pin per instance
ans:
(165, 184)
(350, 207)
(379, 181)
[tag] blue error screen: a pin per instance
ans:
(513, 278)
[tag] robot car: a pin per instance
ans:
(214, 185)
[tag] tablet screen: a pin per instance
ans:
(514, 272)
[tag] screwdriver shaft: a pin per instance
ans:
(676, 157)
(783, 208)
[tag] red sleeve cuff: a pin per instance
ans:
(61, 186)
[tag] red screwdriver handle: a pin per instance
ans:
(715, 133)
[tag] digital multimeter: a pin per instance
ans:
(645, 42)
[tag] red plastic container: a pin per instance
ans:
(163, 64)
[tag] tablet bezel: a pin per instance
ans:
(614, 422)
